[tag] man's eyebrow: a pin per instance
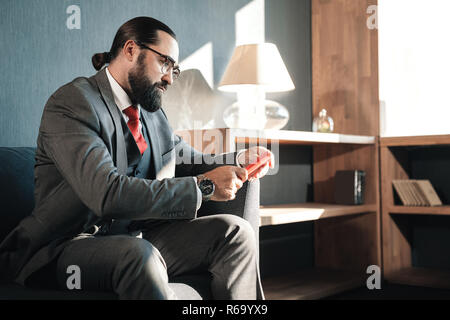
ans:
(170, 59)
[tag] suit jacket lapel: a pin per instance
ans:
(154, 140)
(120, 158)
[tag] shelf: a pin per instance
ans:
(314, 283)
(415, 141)
(297, 137)
(423, 277)
(222, 140)
(290, 213)
(438, 210)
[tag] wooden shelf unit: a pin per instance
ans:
(439, 210)
(300, 212)
(297, 137)
(397, 255)
(422, 277)
(346, 237)
(345, 83)
(229, 140)
(313, 283)
(415, 141)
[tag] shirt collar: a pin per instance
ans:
(121, 98)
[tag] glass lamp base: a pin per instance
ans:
(271, 116)
(237, 116)
(277, 115)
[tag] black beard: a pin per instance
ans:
(143, 92)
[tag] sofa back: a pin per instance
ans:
(16, 186)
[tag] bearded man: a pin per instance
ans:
(104, 201)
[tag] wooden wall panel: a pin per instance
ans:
(345, 82)
(345, 65)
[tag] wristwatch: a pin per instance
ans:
(206, 186)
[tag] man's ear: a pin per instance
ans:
(130, 50)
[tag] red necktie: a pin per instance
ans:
(133, 123)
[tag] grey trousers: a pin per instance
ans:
(139, 268)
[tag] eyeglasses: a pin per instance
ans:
(168, 64)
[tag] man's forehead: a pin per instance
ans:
(167, 45)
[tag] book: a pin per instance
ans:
(398, 186)
(413, 192)
(429, 192)
(423, 201)
(349, 187)
(409, 193)
(416, 193)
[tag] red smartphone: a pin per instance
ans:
(251, 168)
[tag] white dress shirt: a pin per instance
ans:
(121, 98)
(123, 101)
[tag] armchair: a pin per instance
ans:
(17, 201)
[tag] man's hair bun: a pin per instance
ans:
(100, 59)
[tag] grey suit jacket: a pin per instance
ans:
(80, 176)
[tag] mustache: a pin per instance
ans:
(162, 84)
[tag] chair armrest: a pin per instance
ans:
(245, 205)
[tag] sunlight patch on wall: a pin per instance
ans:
(250, 23)
(202, 60)
(414, 67)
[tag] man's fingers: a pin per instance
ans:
(230, 193)
(238, 183)
(241, 173)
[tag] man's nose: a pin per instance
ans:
(167, 77)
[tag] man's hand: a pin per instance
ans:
(227, 180)
(251, 155)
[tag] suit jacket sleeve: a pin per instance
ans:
(191, 162)
(71, 136)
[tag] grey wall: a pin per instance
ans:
(288, 25)
(39, 53)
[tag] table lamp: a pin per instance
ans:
(255, 69)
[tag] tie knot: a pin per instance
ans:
(132, 112)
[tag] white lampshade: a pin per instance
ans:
(256, 65)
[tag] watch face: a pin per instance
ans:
(207, 187)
